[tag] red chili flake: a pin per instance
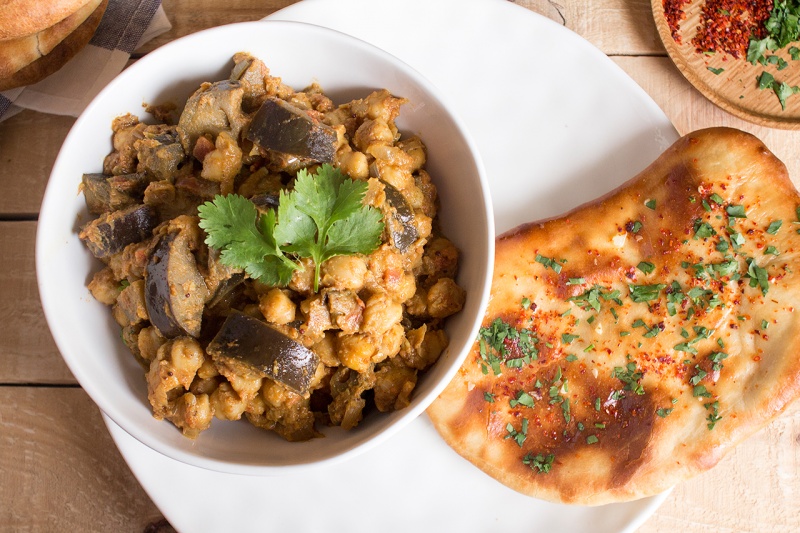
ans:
(674, 13)
(727, 26)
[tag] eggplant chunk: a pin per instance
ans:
(110, 233)
(282, 127)
(243, 339)
(401, 224)
(160, 154)
(266, 201)
(175, 292)
(104, 193)
(213, 108)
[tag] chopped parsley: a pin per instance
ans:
(700, 391)
(774, 227)
(646, 266)
(567, 338)
(630, 376)
(495, 342)
(522, 398)
(591, 297)
(713, 417)
(650, 332)
(645, 293)
(518, 436)
(664, 413)
(548, 263)
(782, 29)
(703, 230)
(736, 211)
(758, 275)
(540, 462)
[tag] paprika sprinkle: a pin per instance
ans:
(674, 13)
(727, 26)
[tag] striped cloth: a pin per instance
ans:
(126, 25)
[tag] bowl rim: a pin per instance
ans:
(108, 406)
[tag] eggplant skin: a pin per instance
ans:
(243, 339)
(175, 292)
(111, 232)
(282, 127)
(105, 193)
(401, 224)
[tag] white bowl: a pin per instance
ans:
(346, 68)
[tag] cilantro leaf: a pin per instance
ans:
(245, 239)
(326, 217)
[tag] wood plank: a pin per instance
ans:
(60, 468)
(54, 441)
(190, 16)
(28, 353)
(29, 144)
(754, 488)
(689, 110)
(634, 31)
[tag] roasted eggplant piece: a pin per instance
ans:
(175, 291)
(160, 154)
(282, 127)
(266, 201)
(213, 108)
(105, 193)
(245, 340)
(401, 224)
(110, 233)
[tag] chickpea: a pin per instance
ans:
(277, 307)
(380, 314)
(223, 163)
(445, 298)
(227, 403)
(372, 132)
(356, 351)
(344, 272)
(353, 164)
(193, 414)
(104, 287)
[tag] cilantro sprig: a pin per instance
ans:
(322, 217)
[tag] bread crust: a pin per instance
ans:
(629, 402)
(19, 18)
(17, 53)
(59, 55)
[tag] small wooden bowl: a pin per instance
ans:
(735, 88)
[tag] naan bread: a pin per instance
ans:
(629, 344)
(17, 53)
(25, 17)
(53, 48)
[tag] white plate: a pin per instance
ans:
(558, 124)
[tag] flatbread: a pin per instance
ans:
(58, 56)
(17, 53)
(19, 18)
(646, 333)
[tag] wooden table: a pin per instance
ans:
(59, 468)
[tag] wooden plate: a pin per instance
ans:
(735, 88)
